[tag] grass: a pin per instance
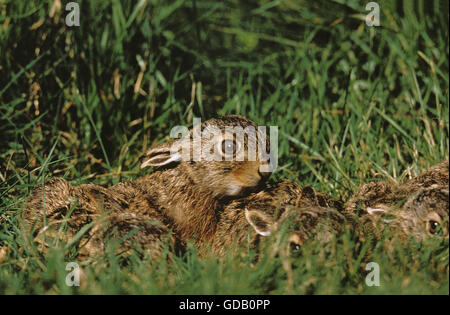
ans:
(353, 104)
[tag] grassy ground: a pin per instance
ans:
(353, 104)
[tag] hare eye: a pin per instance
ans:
(229, 147)
(294, 247)
(433, 226)
(295, 243)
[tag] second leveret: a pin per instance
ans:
(303, 212)
(417, 208)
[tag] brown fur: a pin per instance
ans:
(111, 212)
(307, 213)
(313, 215)
(407, 209)
(209, 202)
(185, 195)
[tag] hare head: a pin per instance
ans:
(424, 214)
(225, 156)
(417, 208)
(300, 223)
(301, 213)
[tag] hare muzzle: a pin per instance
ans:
(245, 178)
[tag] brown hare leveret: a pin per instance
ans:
(418, 208)
(191, 193)
(307, 214)
(194, 178)
(109, 213)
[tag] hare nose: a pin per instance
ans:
(265, 170)
(264, 175)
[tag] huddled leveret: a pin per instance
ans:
(182, 195)
(300, 212)
(418, 208)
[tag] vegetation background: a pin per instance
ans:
(353, 103)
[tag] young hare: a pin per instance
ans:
(108, 213)
(193, 179)
(305, 213)
(418, 208)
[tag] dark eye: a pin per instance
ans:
(294, 247)
(229, 147)
(433, 226)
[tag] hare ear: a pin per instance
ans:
(376, 211)
(382, 213)
(160, 155)
(261, 223)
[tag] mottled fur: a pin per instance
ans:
(181, 194)
(408, 209)
(222, 203)
(307, 214)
